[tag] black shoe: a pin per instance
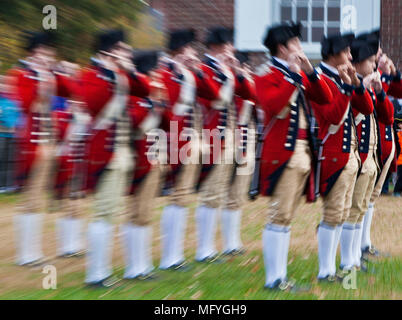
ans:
(331, 278)
(150, 276)
(106, 283)
(238, 252)
(77, 254)
(234, 252)
(181, 266)
(216, 258)
(287, 286)
(37, 263)
(372, 252)
(341, 274)
(366, 267)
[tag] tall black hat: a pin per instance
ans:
(335, 43)
(219, 35)
(281, 33)
(108, 38)
(180, 38)
(373, 36)
(145, 61)
(361, 50)
(35, 39)
(370, 36)
(242, 56)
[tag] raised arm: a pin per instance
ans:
(317, 89)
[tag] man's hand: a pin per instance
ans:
(294, 62)
(125, 64)
(69, 68)
(190, 61)
(384, 65)
(247, 72)
(376, 83)
(392, 67)
(367, 80)
(353, 76)
(343, 74)
(305, 64)
(231, 61)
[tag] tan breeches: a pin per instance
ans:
(362, 192)
(238, 190)
(69, 207)
(34, 195)
(186, 179)
(215, 187)
(140, 205)
(109, 194)
(239, 186)
(338, 201)
(185, 185)
(289, 189)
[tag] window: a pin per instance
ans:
(319, 17)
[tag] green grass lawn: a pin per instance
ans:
(240, 277)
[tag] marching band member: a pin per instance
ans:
(286, 155)
(34, 83)
(339, 159)
(185, 81)
(364, 54)
(392, 85)
(242, 170)
(104, 89)
(146, 115)
(219, 120)
(68, 170)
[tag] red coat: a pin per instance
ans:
(140, 111)
(200, 85)
(64, 167)
(215, 111)
(275, 88)
(25, 88)
(384, 114)
(392, 85)
(336, 149)
(96, 88)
